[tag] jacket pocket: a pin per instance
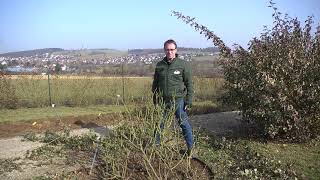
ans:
(176, 75)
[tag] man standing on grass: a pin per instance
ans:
(173, 83)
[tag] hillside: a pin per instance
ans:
(59, 51)
(103, 51)
(181, 50)
(29, 53)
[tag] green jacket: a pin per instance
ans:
(173, 80)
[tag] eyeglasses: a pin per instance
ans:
(170, 50)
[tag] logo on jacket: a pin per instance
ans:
(176, 72)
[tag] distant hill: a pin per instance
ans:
(93, 52)
(103, 51)
(31, 52)
(59, 51)
(180, 49)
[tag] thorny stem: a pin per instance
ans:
(144, 155)
(225, 50)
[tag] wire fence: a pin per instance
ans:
(65, 90)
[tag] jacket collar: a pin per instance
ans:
(167, 62)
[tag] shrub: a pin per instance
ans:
(8, 98)
(276, 82)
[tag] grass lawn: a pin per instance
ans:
(25, 114)
(304, 157)
(251, 159)
(248, 159)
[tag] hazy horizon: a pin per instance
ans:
(100, 49)
(123, 25)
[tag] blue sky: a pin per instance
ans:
(118, 24)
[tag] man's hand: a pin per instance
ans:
(186, 107)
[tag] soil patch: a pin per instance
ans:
(221, 124)
(12, 129)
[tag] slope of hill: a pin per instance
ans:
(32, 52)
(103, 51)
(59, 51)
(93, 52)
(181, 49)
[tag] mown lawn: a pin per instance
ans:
(248, 159)
(304, 157)
(26, 114)
(251, 159)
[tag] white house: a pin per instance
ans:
(3, 63)
(64, 67)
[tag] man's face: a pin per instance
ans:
(170, 50)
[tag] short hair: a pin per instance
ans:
(170, 41)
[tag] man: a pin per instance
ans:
(173, 83)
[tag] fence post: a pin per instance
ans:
(49, 88)
(122, 71)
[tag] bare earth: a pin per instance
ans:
(12, 147)
(220, 124)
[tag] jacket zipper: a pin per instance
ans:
(167, 77)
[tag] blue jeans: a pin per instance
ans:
(183, 120)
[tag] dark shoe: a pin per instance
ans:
(186, 153)
(189, 152)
